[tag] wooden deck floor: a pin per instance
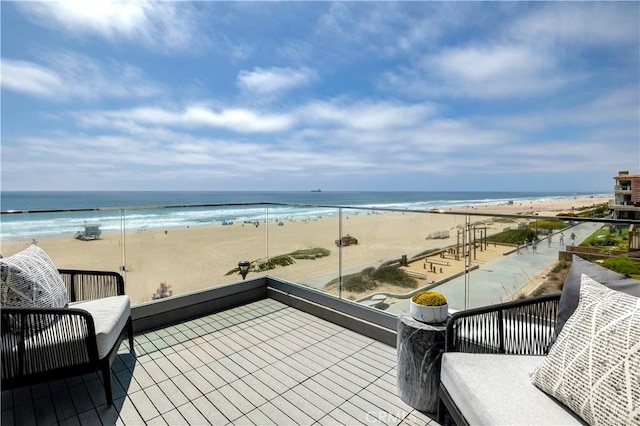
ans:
(263, 363)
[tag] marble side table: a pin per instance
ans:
(419, 349)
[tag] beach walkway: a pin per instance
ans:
(496, 280)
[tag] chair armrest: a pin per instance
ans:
(36, 341)
(89, 285)
(524, 327)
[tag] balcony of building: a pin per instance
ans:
(263, 357)
(288, 345)
(622, 203)
(622, 189)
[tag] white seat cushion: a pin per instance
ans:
(495, 389)
(110, 315)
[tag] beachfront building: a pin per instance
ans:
(626, 192)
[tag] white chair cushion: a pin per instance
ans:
(495, 389)
(110, 315)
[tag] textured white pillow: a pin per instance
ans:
(29, 279)
(594, 366)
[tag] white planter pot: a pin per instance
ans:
(429, 314)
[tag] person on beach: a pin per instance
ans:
(162, 292)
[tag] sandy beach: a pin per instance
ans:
(191, 259)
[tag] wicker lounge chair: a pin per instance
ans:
(80, 339)
(559, 359)
(514, 328)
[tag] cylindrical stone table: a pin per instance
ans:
(419, 349)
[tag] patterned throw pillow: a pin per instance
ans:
(571, 288)
(594, 366)
(29, 279)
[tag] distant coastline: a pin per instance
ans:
(301, 205)
(39, 200)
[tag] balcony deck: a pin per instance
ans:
(260, 363)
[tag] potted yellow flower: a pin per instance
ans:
(430, 307)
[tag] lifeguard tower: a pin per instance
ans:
(91, 232)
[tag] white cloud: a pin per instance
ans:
(159, 25)
(497, 71)
(31, 79)
(235, 119)
(334, 140)
(68, 75)
(481, 65)
(331, 138)
(620, 105)
(365, 115)
(616, 110)
(393, 29)
(273, 81)
(480, 87)
(539, 53)
(580, 23)
(491, 71)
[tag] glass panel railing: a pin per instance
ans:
(376, 257)
(481, 253)
(160, 251)
(86, 239)
(481, 260)
(399, 253)
(172, 251)
(302, 246)
(529, 256)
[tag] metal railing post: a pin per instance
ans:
(340, 252)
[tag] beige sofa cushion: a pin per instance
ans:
(495, 389)
(110, 315)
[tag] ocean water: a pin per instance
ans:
(49, 214)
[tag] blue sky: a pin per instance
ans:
(299, 95)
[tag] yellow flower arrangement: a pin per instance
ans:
(429, 298)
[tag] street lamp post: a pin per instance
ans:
(244, 268)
